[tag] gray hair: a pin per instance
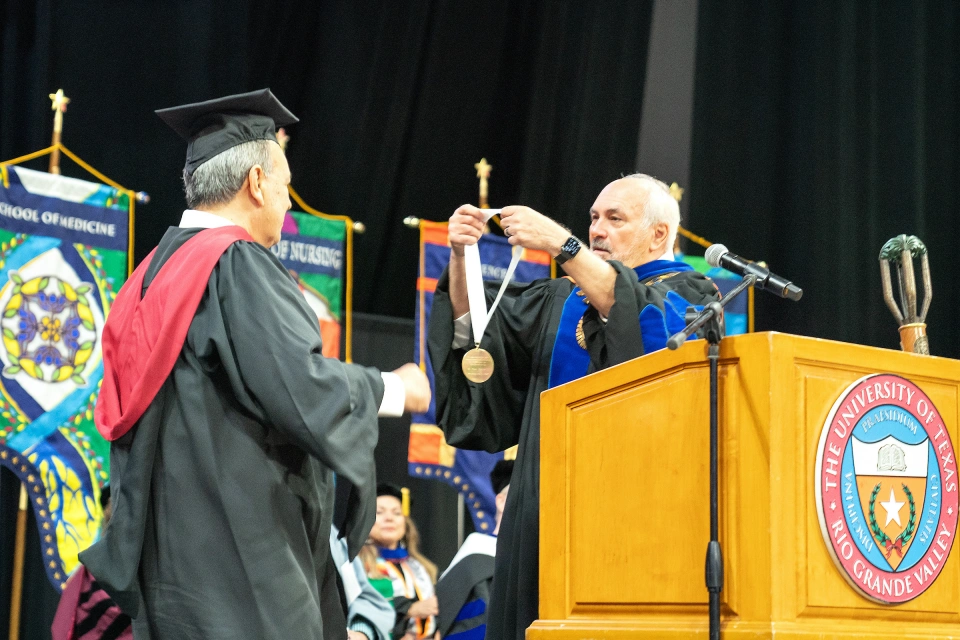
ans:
(660, 206)
(218, 180)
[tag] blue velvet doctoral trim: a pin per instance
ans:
(471, 610)
(474, 612)
(400, 553)
(657, 326)
(659, 268)
(570, 361)
(477, 633)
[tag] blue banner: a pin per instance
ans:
(429, 456)
(63, 258)
(304, 254)
(43, 215)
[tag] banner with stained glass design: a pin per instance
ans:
(429, 456)
(64, 251)
(312, 249)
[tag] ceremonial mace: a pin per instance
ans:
(901, 251)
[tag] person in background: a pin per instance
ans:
(397, 557)
(463, 591)
(86, 611)
(369, 614)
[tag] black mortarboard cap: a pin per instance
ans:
(401, 494)
(500, 476)
(389, 489)
(214, 126)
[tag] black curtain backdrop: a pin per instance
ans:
(397, 101)
(821, 129)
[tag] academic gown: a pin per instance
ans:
(368, 611)
(463, 591)
(223, 490)
(505, 410)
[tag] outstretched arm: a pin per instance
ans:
(533, 230)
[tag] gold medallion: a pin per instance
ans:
(477, 365)
(581, 338)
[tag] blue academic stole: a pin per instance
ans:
(570, 361)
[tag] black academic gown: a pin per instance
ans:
(223, 491)
(463, 591)
(505, 410)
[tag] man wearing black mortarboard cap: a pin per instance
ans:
(225, 420)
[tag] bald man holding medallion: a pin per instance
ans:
(624, 297)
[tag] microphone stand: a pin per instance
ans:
(710, 327)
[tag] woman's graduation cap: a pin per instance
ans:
(214, 126)
(401, 494)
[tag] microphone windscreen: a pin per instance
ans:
(714, 253)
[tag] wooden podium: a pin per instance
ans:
(624, 492)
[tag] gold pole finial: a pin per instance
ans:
(483, 172)
(283, 138)
(58, 104)
(59, 101)
(676, 192)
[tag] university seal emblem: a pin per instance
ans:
(886, 488)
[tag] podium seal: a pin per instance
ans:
(887, 488)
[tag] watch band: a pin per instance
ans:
(569, 249)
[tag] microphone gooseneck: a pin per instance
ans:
(717, 255)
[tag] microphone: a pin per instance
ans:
(718, 255)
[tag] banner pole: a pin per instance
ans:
(422, 298)
(59, 104)
(348, 297)
(351, 227)
(461, 519)
(19, 551)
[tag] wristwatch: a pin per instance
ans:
(569, 249)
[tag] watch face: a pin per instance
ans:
(569, 249)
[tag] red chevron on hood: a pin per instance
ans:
(142, 338)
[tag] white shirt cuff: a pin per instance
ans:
(394, 396)
(461, 332)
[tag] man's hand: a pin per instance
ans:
(532, 230)
(466, 227)
(424, 608)
(416, 386)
